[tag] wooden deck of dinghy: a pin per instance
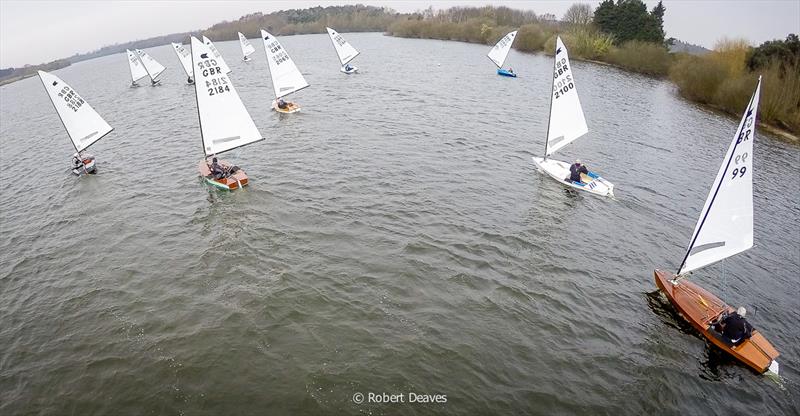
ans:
(701, 308)
(290, 108)
(230, 183)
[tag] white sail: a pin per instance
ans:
(217, 55)
(185, 57)
(84, 126)
(154, 69)
(567, 122)
(286, 78)
(344, 50)
(247, 47)
(500, 50)
(225, 123)
(137, 69)
(725, 226)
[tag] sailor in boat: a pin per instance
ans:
(217, 170)
(347, 67)
(734, 328)
(282, 104)
(510, 70)
(190, 80)
(575, 171)
(83, 163)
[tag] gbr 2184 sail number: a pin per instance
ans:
(218, 83)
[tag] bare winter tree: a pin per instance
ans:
(578, 14)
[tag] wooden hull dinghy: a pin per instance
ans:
(290, 107)
(87, 165)
(558, 170)
(235, 180)
(702, 309)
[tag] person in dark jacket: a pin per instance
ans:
(575, 171)
(282, 104)
(735, 328)
(217, 170)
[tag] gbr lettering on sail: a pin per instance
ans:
(561, 86)
(215, 79)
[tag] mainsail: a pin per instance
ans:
(185, 57)
(247, 47)
(154, 69)
(217, 55)
(137, 69)
(84, 126)
(225, 123)
(500, 50)
(567, 122)
(286, 78)
(344, 50)
(725, 226)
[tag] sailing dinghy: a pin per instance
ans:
(218, 56)
(286, 78)
(153, 68)
(499, 53)
(247, 47)
(725, 228)
(345, 51)
(186, 60)
(225, 123)
(566, 124)
(84, 126)
(137, 69)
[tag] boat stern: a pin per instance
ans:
(236, 180)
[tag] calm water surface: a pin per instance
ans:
(395, 238)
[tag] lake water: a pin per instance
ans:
(395, 238)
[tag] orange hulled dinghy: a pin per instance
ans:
(286, 78)
(225, 123)
(725, 228)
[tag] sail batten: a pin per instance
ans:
(225, 123)
(185, 57)
(137, 68)
(286, 78)
(567, 121)
(499, 52)
(725, 225)
(247, 47)
(344, 50)
(217, 54)
(82, 123)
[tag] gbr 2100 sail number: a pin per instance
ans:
(216, 81)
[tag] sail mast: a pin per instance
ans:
(552, 91)
(139, 57)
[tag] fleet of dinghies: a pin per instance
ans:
(725, 226)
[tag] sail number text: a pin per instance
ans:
(740, 160)
(73, 100)
(216, 81)
(338, 39)
(278, 55)
(562, 87)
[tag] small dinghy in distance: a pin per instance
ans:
(286, 78)
(217, 55)
(247, 47)
(725, 228)
(186, 60)
(225, 123)
(344, 50)
(499, 52)
(566, 124)
(83, 125)
(151, 66)
(137, 68)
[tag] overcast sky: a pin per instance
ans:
(33, 32)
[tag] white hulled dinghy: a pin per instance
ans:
(725, 228)
(286, 78)
(218, 56)
(566, 124)
(153, 68)
(84, 126)
(186, 60)
(499, 53)
(225, 123)
(137, 68)
(345, 51)
(247, 47)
